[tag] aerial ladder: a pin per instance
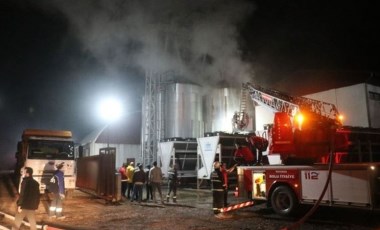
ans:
(292, 105)
(302, 127)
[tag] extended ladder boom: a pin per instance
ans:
(281, 102)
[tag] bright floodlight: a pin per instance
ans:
(110, 109)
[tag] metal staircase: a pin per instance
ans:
(240, 120)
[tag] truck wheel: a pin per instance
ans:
(284, 201)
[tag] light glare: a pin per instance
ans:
(299, 118)
(110, 109)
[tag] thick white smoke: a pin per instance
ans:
(196, 39)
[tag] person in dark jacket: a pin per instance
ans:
(57, 187)
(28, 201)
(217, 188)
(225, 172)
(138, 183)
(148, 186)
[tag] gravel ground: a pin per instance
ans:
(192, 211)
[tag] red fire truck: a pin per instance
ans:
(322, 162)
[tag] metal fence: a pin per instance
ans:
(97, 175)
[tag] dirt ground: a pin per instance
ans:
(193, 211)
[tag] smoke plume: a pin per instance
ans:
(198, 40)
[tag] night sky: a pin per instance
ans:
(58, 58)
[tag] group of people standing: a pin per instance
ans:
(127, 172)
(133, 180)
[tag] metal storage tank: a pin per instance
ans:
(220, 104)
(182, 111)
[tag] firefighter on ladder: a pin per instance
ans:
(217, 182)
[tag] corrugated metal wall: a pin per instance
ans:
(96, 174)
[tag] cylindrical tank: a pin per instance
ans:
(182, 111)
(220, 104)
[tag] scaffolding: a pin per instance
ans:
(153, 121)
(174, 40)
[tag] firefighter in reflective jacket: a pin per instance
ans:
(217, 182)
(57, 188)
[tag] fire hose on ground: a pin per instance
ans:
(236, 206)
(297, 224)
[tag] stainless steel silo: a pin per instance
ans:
(182, 111)
(220, 104)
